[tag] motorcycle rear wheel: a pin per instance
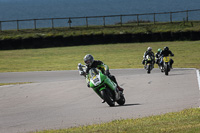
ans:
(107, 96)
(122, 100)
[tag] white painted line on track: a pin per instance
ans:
(198, 78)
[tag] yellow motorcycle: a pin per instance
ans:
(166, 65)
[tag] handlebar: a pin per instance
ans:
(80, 68)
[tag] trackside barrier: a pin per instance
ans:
(85, 21)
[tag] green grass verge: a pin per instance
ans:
(186, 121)
(127, 55)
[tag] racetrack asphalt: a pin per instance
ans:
(61, 99)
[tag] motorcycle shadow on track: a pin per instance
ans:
(175, 74)
(127, 105)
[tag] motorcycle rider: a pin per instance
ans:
(91, 63)
(158, 56)
(150, 53)
(166, 52)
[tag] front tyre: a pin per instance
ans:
(148, 69)
(107, 96)
(166, 69)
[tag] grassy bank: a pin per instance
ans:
(113, 29)
(186, 121)
(127, 55)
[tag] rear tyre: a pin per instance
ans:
(108, 97)
(122, 100)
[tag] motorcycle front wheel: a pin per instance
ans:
(166, 69)
(107, 96)
(148, 69)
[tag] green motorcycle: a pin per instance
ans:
(105, 88)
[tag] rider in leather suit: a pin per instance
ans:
(166, 52)
(148, 52)
(91, 63)
(158, 56)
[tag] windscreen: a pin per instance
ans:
(93, 72)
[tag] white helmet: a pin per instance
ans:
(149, 49)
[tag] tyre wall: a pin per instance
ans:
(60, 41)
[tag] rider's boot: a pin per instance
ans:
(120, 88)
(143, 61)
(103, 101)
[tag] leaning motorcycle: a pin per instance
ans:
(105, 88)
(148, 64)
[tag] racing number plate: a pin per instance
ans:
(95, 79)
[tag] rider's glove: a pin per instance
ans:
(80, 67)
(106, 72)
(81, 73)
